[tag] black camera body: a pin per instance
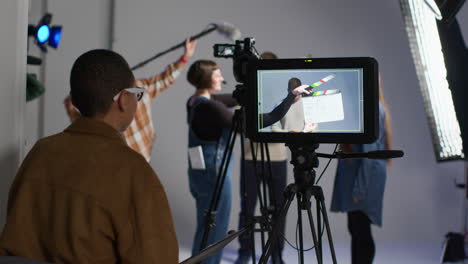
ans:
(338, 103)
(242, 52)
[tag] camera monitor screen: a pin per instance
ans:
(323, 100)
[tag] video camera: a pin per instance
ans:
(339, 104)
(242, 52)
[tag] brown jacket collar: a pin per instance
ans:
(84, 125)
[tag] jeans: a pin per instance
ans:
(202, 185)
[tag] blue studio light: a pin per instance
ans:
(43, 34)
(55, 36)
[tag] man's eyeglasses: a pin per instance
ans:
(137, 91)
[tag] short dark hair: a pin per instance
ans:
(200, 72)
(97, 76)
(293, 83)
(268, 55)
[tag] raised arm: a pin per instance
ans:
(278, 112)
(161, 81)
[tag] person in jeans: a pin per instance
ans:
(209, 119)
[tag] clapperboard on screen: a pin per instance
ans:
(323, 106)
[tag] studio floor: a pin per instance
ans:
(389, 252)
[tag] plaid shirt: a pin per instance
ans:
(140, 135)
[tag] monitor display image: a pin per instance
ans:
(334, 103)
(339, 103)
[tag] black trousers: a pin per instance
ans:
(362, 243)
(248, 204)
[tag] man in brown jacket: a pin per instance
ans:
(83, 196)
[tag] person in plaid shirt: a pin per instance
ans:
(140, 135)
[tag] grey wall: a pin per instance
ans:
(13, 21)
(421, 202)
(85, 26)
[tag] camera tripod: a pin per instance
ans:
(304, 160)
(264, 220)
(210, 214)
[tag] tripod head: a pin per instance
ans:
(304, 156)
(304, 159)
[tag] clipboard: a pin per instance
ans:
(323, 106)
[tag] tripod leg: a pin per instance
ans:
(246, 216)
(291, 190)
(299, 222)
(319, 230)
(262, 193)
(318, 252)
(327, 226)
(257, 171)
(273, 200)
(210, 219)
(252, 239)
